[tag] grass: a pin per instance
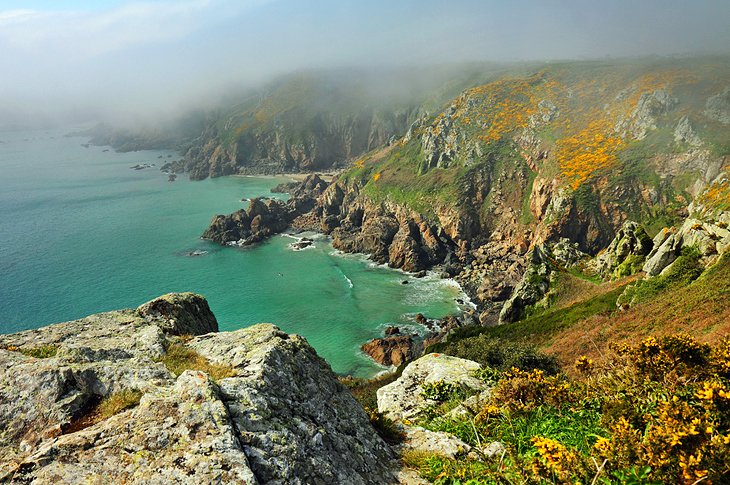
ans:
(101, 410)
(178, 358)
(538, 330)
(39, 352)
(701, 308)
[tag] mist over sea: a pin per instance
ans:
(81, 232)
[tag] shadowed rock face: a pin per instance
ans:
(280, 417)
(181, 314)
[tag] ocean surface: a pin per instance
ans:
(81, 232)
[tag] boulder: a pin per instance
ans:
(402, 398)
(393, 350)
(180, 314)
(434, 442)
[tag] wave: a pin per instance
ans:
(350, 284)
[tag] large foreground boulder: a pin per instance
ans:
(403, 398)
(275, 414)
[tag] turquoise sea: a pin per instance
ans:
(81, 233)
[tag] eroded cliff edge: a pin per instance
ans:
(250, 406)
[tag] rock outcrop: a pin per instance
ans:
(544, 260)
(403, 398)
(262, 219)
(718, 107)
(710, 237)
(393, 350)
(277, 415)
(626, 253)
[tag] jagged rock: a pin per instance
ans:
(684, 133)
(177, 434)
(180, 314)
(402, 398)
(718, 107)
(566, 253)
(405, 252)
(709, 237)
(532, 288)
(666, 249)
(262, 219)
(626, 253)
(298, 423)
(434, 442)
(393, 350)
(282, 416)
(643, 118)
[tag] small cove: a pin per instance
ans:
(81, 233)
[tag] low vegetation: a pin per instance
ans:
(101, 410)
(657, 412)
(39, 352)
(178, 358)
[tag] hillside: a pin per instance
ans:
(564, 156)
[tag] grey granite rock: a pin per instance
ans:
(281, 418)
(402, 398)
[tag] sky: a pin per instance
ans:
(120, 56)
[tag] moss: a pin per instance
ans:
(629, 266)
(40, 352)
(178, 358)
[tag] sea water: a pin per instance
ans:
(81, 232)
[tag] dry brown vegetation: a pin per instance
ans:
(701, 309)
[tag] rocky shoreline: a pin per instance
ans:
(304, 211)
(502, 278)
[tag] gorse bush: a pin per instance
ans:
(655, 412)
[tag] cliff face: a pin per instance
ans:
(295, 140)
(567, 154)
(250, 406)
(570, 152)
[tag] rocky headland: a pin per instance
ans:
(157, 395)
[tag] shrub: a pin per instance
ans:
(655, 412)
(438, 390)
(501, 354)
